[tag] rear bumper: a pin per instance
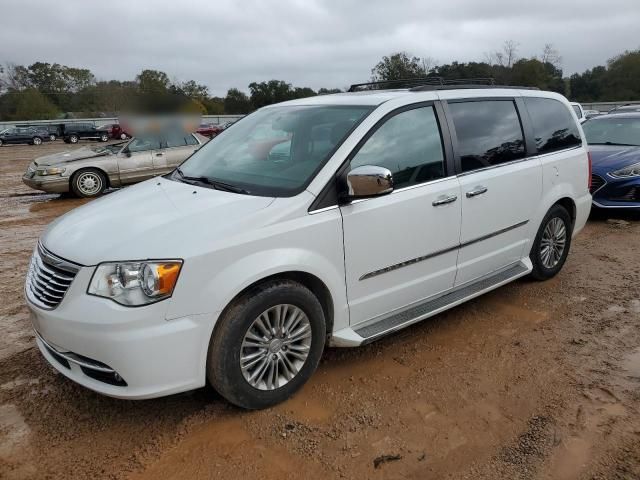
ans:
(583, 209)
(52, 185)
(89, 340)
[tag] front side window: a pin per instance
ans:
(489, 133)
(175, 139)
(612, 130)
(144, 143)
(275, 151)
(553, 126)
(409, 145)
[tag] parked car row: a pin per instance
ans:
(73, 132)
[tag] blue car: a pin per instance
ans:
(614, 143)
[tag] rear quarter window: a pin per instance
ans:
(553, 125)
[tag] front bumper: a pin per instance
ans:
(55, 184)
(90, 340)
(614, 192)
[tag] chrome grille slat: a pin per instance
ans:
(48, 278)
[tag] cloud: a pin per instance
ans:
(316, 43)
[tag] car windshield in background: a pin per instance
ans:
(613, 131)
(113, 148)
(274, 151)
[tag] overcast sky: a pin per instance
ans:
(315, 43)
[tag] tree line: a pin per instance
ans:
(45, 91)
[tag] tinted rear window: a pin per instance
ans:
(553, 126)
(489, 133)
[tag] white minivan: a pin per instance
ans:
(331, 220)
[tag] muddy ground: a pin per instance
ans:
(532, 381)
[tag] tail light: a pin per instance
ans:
(590, 167)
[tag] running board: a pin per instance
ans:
(396, 321)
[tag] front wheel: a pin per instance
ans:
(104, 137)
(551, 245)
(73, 139)
(88, 183)
(267, 345)
(52, 137)
(123, 136)
(37, 141)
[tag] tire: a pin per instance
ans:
(66, 140)
(52, 138)
(104, 137)
(36, 141)
(123, 136)
(1, 142)
(552, 243)
(226, 348)
(73, 139)
(88, 183)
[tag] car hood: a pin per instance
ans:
(158, 218)
(70, 156)
(607, 158)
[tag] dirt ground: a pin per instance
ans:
(532, 381)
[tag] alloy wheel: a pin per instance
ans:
(275, 347)
(89, 183)
(553, 242)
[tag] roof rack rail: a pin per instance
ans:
(415, 83)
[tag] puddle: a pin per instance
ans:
(631, 364)
(14, 443)
(19, 382)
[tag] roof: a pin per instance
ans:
(377, 97)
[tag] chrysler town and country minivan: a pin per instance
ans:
(332, 220)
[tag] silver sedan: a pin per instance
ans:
(88, 171)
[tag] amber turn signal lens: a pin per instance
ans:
(167, 274)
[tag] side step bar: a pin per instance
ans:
(374, 330)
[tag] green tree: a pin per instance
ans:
(328, 91)
(267, 93)
(398, 66)
(27, 104)
(236, 102)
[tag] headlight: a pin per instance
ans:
(50, 171)
(630, 171)
(135, 283)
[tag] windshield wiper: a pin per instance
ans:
(217, 184)
(616, 143)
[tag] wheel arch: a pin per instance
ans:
(570, 206)
(310, 281)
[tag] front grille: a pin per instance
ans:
(597, 182)
(632, 194)
(49, 278)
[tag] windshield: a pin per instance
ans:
(275, 151)
(112, 148)
(613, 131)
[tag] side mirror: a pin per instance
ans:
(368, 181)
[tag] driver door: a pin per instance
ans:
(402, 248)
(135, 162)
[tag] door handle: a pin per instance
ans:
(444, 200)
(160, 154)
(479, 190)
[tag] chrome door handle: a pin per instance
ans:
(476, 191)
(444, 199)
